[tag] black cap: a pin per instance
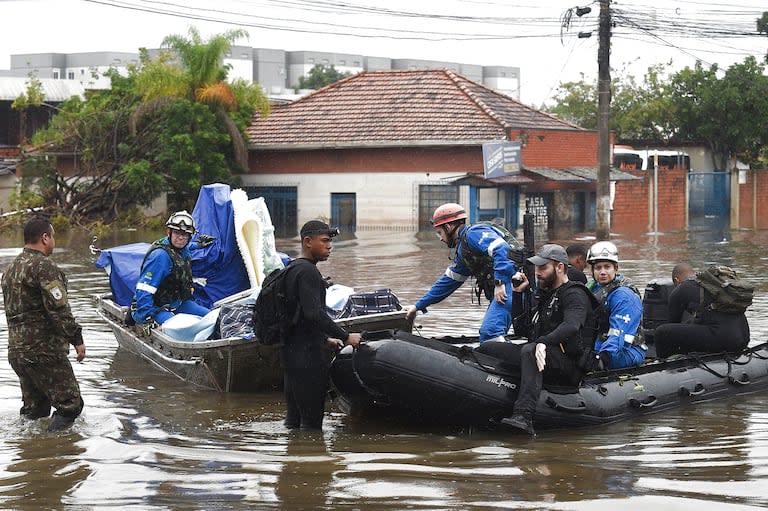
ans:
(316, 228)
(550, 252)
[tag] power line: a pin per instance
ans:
(313, 27)
(709, 24)
(662, 22)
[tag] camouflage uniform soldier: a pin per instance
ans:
(41, 328)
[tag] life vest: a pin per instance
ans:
(480, 264)
(604, 314)
(178, 284)
(549, 314)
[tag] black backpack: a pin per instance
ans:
(273, 316)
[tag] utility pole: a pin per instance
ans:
(603, 229)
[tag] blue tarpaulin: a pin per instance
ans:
(220, 265)
(123, 264)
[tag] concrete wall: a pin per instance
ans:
(241, 59)
(7, 186)
(384, 200)
(299, 63)
(502, 78)
(270, 71)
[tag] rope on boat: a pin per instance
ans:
(733, 361)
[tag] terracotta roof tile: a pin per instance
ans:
(398, 107)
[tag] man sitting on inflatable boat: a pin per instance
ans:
(563, 329)
(696, 324)
(165, 285)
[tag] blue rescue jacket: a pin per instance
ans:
(481, 239)
(624, 311)
(157, 266)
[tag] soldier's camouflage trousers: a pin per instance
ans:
(47, 381)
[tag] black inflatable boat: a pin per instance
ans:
(442, 381)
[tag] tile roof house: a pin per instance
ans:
(382, 149)
(398, 108)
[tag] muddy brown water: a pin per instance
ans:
(149, 441)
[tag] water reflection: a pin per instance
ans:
(41, 469)
(305, 480)
(149, 441)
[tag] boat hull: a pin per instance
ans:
(416, 379)
(224, 365)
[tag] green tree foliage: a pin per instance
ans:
(639, 111)
(320, 76)
(193, 148)
(762, 27)
(729, 114)
(33, 97)
(576, 102)
(192, 71)
(642, 110)
(100, 185)
(172, 125)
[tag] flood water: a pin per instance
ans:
(149, 441)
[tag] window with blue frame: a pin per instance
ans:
(282, 205)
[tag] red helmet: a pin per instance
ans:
(447, 213)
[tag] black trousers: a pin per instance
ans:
(684, 338)
(305, 391)
(559, 367)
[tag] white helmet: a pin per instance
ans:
(603, 251)
(181, 221)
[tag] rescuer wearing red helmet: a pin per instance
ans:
(481, 251)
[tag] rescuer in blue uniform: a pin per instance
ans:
(165, 285)
(619, 340)
(482, 252)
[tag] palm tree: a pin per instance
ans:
(199, 76)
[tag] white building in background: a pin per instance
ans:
(85, 68)
(277, 71)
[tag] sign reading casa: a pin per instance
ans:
(501, 159)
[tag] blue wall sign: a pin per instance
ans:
(501, 159)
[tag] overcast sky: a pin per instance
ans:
(541, 40)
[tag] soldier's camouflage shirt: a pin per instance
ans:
(39, 317)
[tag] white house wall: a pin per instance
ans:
(383, 200)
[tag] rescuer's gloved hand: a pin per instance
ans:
(205, 240)
(603, 361)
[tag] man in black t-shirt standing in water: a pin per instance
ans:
(302, 353)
